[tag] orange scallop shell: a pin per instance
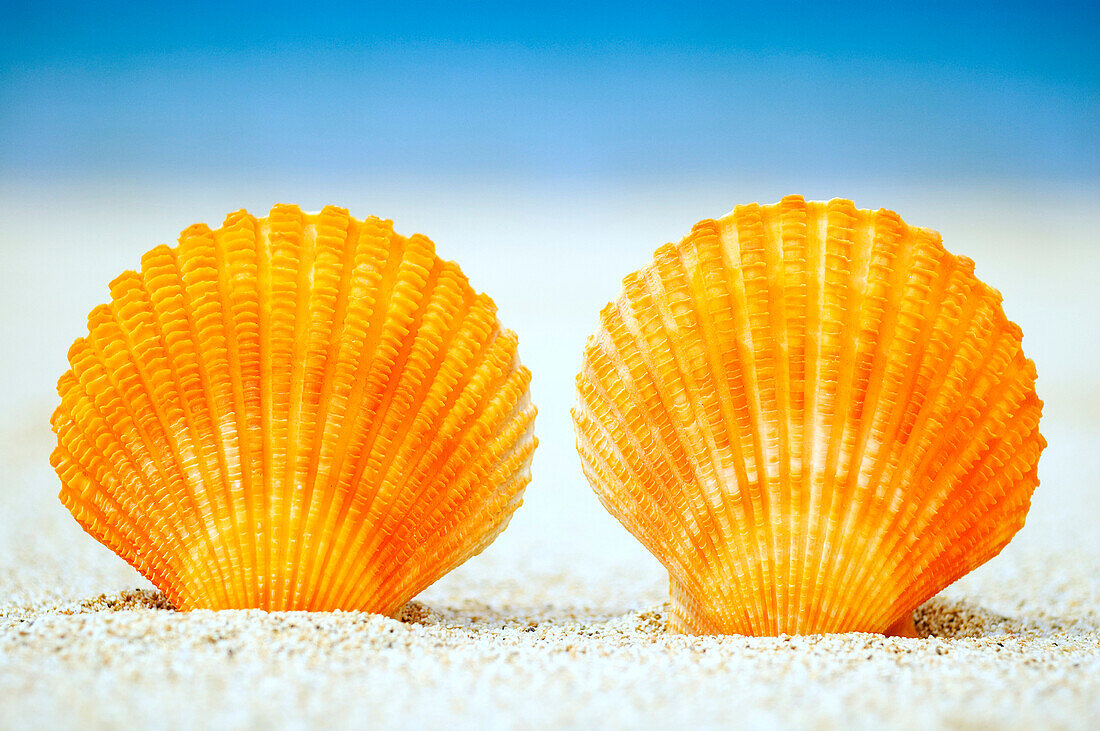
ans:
(813, 415)
(303, 411)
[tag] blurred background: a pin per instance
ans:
(549, 151)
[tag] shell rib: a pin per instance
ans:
(813, 415)
(303, 411)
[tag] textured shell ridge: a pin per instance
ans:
(301, 411)
(814, 415)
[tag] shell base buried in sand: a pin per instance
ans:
(904, 627)
(302, 411)
(688, 616)
(813, 415)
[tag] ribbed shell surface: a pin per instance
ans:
(813, 415)
(302, 411)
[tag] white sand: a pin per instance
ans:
(509, 641)
(561, 622)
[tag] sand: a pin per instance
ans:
(506, 641)
(561, 622)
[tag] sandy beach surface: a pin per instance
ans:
(561, 622)
(83, 642)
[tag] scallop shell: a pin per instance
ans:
(814, 416)
(303, 411)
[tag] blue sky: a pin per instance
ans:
(641, 90)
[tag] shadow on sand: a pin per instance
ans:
(938, 618)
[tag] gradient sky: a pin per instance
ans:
(577, 90)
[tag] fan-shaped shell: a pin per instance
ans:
(814, 416)
(303, 411)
